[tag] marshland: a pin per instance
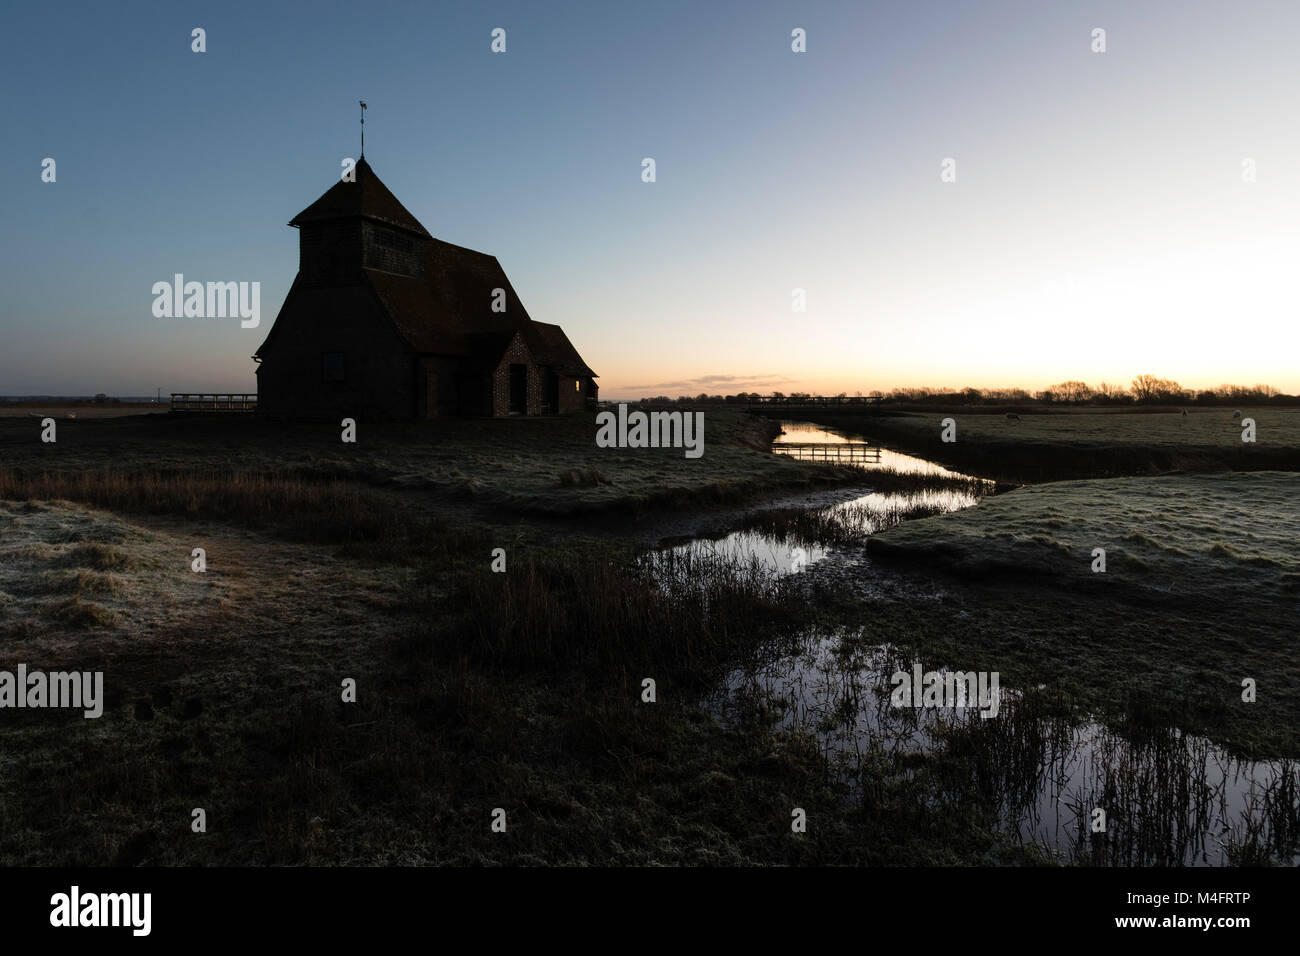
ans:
(768, 599)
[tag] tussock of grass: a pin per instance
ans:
(583, 478)
(96, 556)
(34, 552)
(81, 581)
(75, 612)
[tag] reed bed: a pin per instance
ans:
(255, 498)
(605, 611)
(329, 511)
(847, 523)
(911, 482)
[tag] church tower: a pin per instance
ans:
(357, 225)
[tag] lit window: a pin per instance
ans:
(577, 386)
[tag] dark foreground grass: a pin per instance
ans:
(523, 690)
(520, 690)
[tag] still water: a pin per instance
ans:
(801, 433)
(871, 512)
(1170, 798)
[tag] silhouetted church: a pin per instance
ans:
(384, 321)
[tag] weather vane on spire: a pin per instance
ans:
(363, 129)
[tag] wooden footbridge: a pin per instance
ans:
(848, 452)
(210, 402)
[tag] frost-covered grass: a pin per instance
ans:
(1178, 533)
(1068, 444)
(242, 467)
(522, 689)
(1209, 427)
(1201, 591)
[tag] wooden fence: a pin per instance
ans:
(213, 402)
(848, 452)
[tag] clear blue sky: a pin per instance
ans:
(1098, 228)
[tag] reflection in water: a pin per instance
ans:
(745, 547)
(1170, 798)
(789, 544)
(806, 433)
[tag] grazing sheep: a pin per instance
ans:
(1012, 417)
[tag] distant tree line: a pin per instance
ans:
(1143, 390)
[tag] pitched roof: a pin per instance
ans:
(333, 306)
(368, 197)
(448, 311)
(559, 351)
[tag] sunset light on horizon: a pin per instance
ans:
(1108, 214)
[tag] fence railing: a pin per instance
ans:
(213, 402)
(849, 451)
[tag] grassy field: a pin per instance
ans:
(522, 689)
(326, 561)
(1212, 534)
(475, 690)
(1052, 445)
(60, 411)
(1201, 427)
(1201, 589)
(539, 465)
